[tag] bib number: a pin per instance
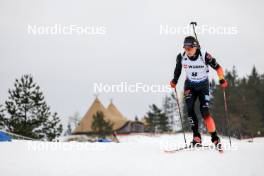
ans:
(194, 74)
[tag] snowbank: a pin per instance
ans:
(136, 155)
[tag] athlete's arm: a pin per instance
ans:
(177, 70)
(212, 62)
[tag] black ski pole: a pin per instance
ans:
(227, 117)
(193, 26)
(179, 108)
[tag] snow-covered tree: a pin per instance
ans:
(72, 123)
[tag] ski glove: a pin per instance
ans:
(223, 83)
(173, 84)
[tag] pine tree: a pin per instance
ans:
(164, 125)
(217, 105)
(2, 116)
(245, 105)
(100, 126)
(68, 130)
(254, 118)
(261, 101)
(27, 112)
(74, 120)
(52, 128)
(72, 123)
(152, 118)
(157, 120)
(171, 111)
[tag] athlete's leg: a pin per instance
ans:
(190, 98)
(205, 111)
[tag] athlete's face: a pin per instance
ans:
(190, 51)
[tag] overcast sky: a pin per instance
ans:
(132, 48)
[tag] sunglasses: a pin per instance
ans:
(188, 48)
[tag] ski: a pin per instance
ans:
(186, 148)
(190, 148)
(176, 150)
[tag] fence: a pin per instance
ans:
(16, 136)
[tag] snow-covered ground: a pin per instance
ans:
(136, 155)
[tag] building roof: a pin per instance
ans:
(111, 113)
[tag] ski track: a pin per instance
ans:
(135, 155)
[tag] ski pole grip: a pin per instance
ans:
(193, 23)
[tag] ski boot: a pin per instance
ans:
(216, 141)
(197, 141)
